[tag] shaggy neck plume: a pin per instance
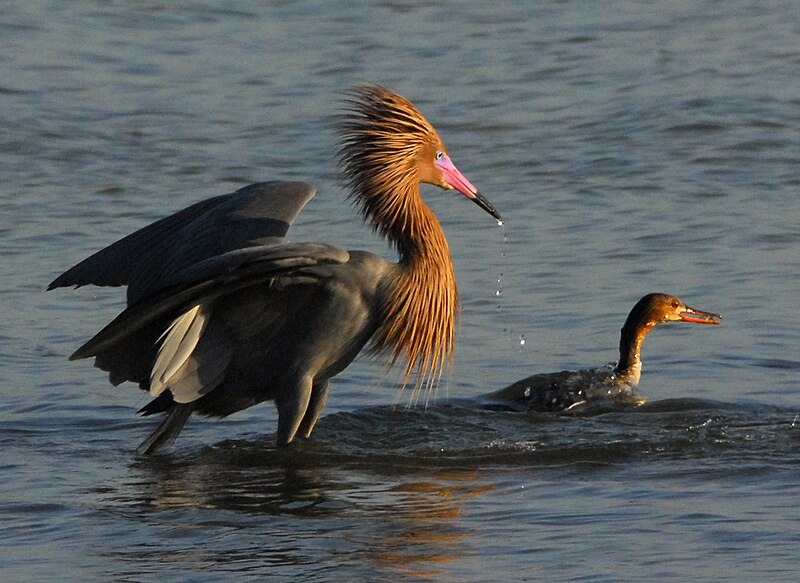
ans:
(421, 299)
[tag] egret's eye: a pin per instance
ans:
(439, 154)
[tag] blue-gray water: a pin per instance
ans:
(631, 146)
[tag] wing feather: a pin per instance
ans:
(220, 276)
(257, 215)
(177, 344)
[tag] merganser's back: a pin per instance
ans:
(562, 390)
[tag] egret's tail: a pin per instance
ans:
(165, 434)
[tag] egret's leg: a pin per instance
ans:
(292, 406)
(319, 396)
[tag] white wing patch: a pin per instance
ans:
(177, 344)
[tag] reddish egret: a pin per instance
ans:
(224, 314)
(562, 390)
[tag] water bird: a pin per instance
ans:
(223, 313)
(562, 390)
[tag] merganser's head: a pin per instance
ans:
(654, 309)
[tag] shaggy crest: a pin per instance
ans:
(382, 134)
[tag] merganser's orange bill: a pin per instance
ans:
(699, 317)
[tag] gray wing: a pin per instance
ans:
(268, 339)
(256, 215)
(137, 328)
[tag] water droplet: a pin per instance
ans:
(500, 222)
(521, 340)
(498, 292)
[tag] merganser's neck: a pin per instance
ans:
(629, 367)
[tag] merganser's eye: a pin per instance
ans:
(675, 303)
(439, 154)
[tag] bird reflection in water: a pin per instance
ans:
(398, 520)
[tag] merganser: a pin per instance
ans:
(566, 389)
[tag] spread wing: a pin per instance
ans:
(129, 340)
(146, 260)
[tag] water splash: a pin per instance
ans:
(499, 290)
(499, 293)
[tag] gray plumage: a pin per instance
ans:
(225, 314)
(257, 215)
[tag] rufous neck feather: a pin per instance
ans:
(421, 304)
(382, 137)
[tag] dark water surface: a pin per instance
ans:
(631, 146)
